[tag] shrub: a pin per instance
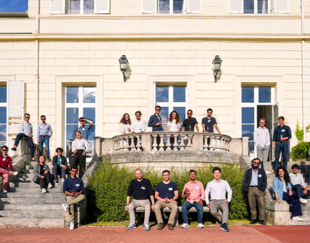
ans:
(107, 189)
(300, 151)
(299, 132)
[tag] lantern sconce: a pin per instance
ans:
(124, 66)
(217, 62)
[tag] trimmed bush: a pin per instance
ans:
(107, 189)
(300, 151)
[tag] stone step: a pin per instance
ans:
(10, 222)
(27, 201)
(34, 189)
(42, 207)
(39, 194)
(32, 214)
(30, 184)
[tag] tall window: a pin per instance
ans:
(3, 115)
(80, 101)
(170, 98)
(171, 6)
(80, 6)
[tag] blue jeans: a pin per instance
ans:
(47, 146)
(19, 137)
(281, 147)
(295, 201)
(298, 189)
(187, 205)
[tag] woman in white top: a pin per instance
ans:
(79, 147)
(125, 124)
(173, 125)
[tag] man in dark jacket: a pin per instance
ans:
(155, 121)
(254, 183)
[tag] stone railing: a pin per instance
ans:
(170, 141)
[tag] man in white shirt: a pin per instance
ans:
(298, 184)
(262, 143)
(218, 188)
(138, 125)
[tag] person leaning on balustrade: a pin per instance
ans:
(155, 121)
(138, 126)
(125, 124)
(209, 122)
(6, 168)
(174, 123)
(79, 147)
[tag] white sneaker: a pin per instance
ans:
(50, 185)
(297, 218)
(184, 226)
(44, 190)
(62, 180)
(15, 173)
(65, 206)
(303, 200)
(268, 173)
(72, 226)
(4, 191)
(200, 225)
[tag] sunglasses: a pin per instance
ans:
(4, 150)
(255, 162)
(189, 113)
(157, 109)
(27, 117)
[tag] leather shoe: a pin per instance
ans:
(262, 222)
(170, 227)
(160, 226)
(254, 221)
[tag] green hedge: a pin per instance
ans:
(300, 151)
(107, 190)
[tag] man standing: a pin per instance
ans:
(25, 130)
(166, 194)
(218, 188)
(208, 122)
(281, 135)
(6, 168)
(141, 189)
(190, 122)
(138, 125)
(255, 183)
(262, 143)
(43, 135)
(155, 120)
(195, 194)
(73, 187)
(84, 129)
(298, 184)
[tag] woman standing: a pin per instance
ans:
(79, 147)
(42, 174)
(283, 191)
(125, 124)
(173, 125)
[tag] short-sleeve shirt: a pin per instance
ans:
(190, 122)
(84, 130)
(209, 123)
(59, 161)
(166, 190)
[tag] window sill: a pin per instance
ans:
(14, 14)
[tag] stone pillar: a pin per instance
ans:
(98, 146)
(146, 141)
(245, 145)
(197, 141)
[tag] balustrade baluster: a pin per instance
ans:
(155, 143)
(161, 144)
(211, 145)
(138, 143)
(122, 147)
(189, 143)
(205, 140)
(126, 138)
(169, 143)
(132, 145)
(182, 145)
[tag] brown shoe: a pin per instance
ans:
(170, 227)
(160, 226)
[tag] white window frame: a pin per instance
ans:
(81, 6)
(171, 7)
(5, 104)
(255, 7)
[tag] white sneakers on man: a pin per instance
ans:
(50, 185)
(15, 173)
(297, 218)
(184, 226)
(62, 180)
(65, 206)
(44, 190)
(303, 200)
(200, 225)
(4, 191)
(268, 172)
(72, 226)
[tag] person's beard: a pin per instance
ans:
(255, 166)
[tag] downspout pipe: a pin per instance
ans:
(37, 68)
(303, 68)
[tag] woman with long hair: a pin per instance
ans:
(79, 147)
(125, 124)
(42, 174)
(174, 123)
(283, 191)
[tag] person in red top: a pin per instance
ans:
(195, 194)
(6, 168)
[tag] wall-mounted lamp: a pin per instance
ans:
(123, 62)
(217, 67)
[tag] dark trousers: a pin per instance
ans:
(187, 205)
(256, 196)
(19, 137)
(79, 160)
(298, 189)
(295, 201)
(57, 170)
(281, 147)
(44, 181)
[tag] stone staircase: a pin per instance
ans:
(24, 206)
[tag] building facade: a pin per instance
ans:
(65, 55)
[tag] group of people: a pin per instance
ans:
(167, 193)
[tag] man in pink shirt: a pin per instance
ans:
(195, 194)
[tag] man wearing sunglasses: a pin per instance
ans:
(255, 183)
(43, 136)
(6, 168)
(155, 121)
(25, 130)
(190, 122)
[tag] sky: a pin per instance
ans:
(13, 5)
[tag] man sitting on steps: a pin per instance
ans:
(298, 184)
(6, 168)
(73, 187)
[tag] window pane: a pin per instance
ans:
(72, 115)
(3, 115)
(247, 95)
(275, 114)
(70, 131)
(164, 6)
(178, 6)
(2, 94)
(89, 114)
(91, 133)
(89, 95)
(164, 113)
(74, 7)
(3, 133)
(264, 95)
(248, 6)
(248, 115)
(248, 131)
(89, 7)
(179, 94)
(182, 112)
(162, 94)
(72, 95)
(251, 148)
(262, 6)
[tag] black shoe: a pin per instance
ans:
(160, 226)
(254, 221)
(14, 149)
(262, 222)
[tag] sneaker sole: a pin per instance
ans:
(224, 230)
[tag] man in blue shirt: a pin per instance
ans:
(44, 133)
(84, 129)
(281, 135)
(73, 187)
